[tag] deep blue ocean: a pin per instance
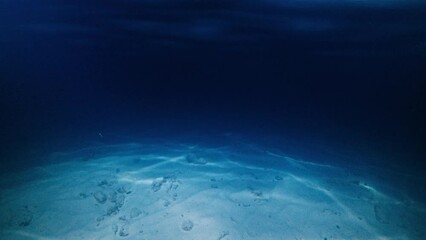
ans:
(346, 74)
(339, 83)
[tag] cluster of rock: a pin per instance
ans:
(170, 185)
(111, 196)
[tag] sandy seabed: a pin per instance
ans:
(177, 191)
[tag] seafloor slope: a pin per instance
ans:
(175, 191)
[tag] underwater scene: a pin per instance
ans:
(212, 119)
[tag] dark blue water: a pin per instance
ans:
(319, 77)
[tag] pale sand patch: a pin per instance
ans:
(186, 192)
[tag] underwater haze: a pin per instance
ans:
(190, 119)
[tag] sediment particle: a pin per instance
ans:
(123, 231)
(187, 225)
(100, 197)
(156, 184)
